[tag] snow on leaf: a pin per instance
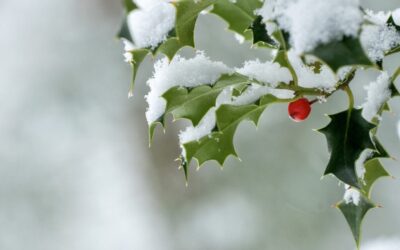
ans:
(312, 23)
(194, 103)
(150, 27)
(380, 40)
(193, 72)
(378, 93)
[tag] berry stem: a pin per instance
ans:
(350, 95)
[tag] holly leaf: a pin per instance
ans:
(124, 32)
(373, 171)
(169, 48)
(260, 34)
(395, 92)
(391, 22)
(347, 51)
(194, 103)
(355, 214)
(187, 12)
(219, 144)
(239, 15)
(138, 55)
(129, 5)
(348, 134)
(153, 126)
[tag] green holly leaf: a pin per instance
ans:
(129, 5)
(194, 103)
(348, 134)
(138, 55)
(124, 32)
(373, 171)
(347, 51)
(238, 15)
(187, 12)
(391, 22)
(395, 92)
(260, 34)
(219, 144)
(355, 214)
(152, 128)
(169, 48)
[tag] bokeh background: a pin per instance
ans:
(76, 171)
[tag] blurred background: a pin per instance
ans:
(76, 171)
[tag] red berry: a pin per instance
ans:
(299, 109)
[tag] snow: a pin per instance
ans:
(268, 72)
(128, 47)
(396, 16)
(378, 39)
(239, 38)
(149, 27)
(307, 78)
(382, 244)
(379, 17)
(180, 72)
(351, 195)
(360, 167)
(378, 92)
(343, 72)
(311, 23)
(204, 128)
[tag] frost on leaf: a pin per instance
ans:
(378, 40)
(320, 25)
(378, 93)
(150, 27)
(267, 72)
(175, 73)
(307, 77)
